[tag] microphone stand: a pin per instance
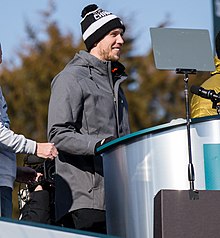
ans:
(218, 109)
(215, 105)
(193, 194)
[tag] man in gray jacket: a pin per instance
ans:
(87, 106)
(10, 144)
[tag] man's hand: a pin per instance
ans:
(46, 150)
(39, 186)
(103, 141)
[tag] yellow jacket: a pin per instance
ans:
(201, 107)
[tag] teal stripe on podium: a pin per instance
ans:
(212, 166)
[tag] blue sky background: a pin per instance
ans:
(140, 15)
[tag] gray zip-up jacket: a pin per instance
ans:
(10, 143)
(86, 105)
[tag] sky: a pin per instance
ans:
(139, 15)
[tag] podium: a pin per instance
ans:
(141, 164)
(177, 216)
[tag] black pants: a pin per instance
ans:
(5, 201)
(85, 219)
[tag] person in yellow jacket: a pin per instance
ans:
(201, 107)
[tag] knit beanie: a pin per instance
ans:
(96, 23)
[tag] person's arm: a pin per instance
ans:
(4, 114)
(15, 142)
(18, 143)
(65, 111)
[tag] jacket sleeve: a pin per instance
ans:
(14, 142)
(4, 113)
(8, 139)
(65, 115)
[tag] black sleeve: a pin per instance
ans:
(37, 209)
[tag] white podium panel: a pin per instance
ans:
(138, 166)
(19, 229)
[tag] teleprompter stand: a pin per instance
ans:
(185, 213)
(193, 194)
(216, 104)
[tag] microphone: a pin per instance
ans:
(204, 93)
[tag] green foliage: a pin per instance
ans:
(27, 87)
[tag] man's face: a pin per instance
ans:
(109, 48)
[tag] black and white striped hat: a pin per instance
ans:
(96, 23)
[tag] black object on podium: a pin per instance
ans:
(178, 216)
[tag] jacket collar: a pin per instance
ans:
(217, 66)
(86, 59)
